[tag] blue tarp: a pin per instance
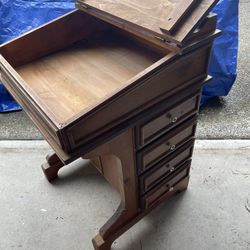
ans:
(19, 16)
(223, 65)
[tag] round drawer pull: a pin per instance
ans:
(172, 148)
(171, 189)
(175, 119)
(172, 169)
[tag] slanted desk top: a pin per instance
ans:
(171, 20)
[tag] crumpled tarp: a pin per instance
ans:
(19, 16)
(223, 65)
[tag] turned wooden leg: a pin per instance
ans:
(52, 166)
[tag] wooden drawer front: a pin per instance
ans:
(165, 188)
(166, 145)
(166, 167)
(167, 120)
(160, 84)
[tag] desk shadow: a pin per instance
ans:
(78, 171)
(216, 104)
(158, 219)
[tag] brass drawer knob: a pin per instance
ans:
(172, 169)
(170, 189)
(175, 119)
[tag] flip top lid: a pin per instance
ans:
(172, 21)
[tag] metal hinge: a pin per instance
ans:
(169, 43)
(163, 40)
(83, 5)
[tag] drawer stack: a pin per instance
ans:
(164, 146)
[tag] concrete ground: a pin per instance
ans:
(213, 214)
(227, 117)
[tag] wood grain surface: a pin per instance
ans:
(51, 37)
(178, 13)
(70, 81)
(103, 95)
(152, 16)
(148, 14)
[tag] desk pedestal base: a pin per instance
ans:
(116, 161)
(101, 244)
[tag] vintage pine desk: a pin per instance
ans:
(119, 83)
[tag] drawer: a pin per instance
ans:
(168, 119)
(166, 144)
(166, 167)
(163, 190)
(46, 127)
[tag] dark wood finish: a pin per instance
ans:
(207, 26)
(97, 163)
(84, 126)
(167, 144)
(52, 166)
(159, 125)
(121, 173)
(51, 37)
(192, 21)
(178, 13)
(163, 82)
(166, 167)
(118, 167)
(117, 93)
(149, 20)
(168, 186)
(100, 244)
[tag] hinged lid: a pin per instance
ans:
(170, 21)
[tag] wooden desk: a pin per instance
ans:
(108, 92)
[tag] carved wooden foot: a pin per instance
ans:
(51, 167)
(100, 244)
(114, 227)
